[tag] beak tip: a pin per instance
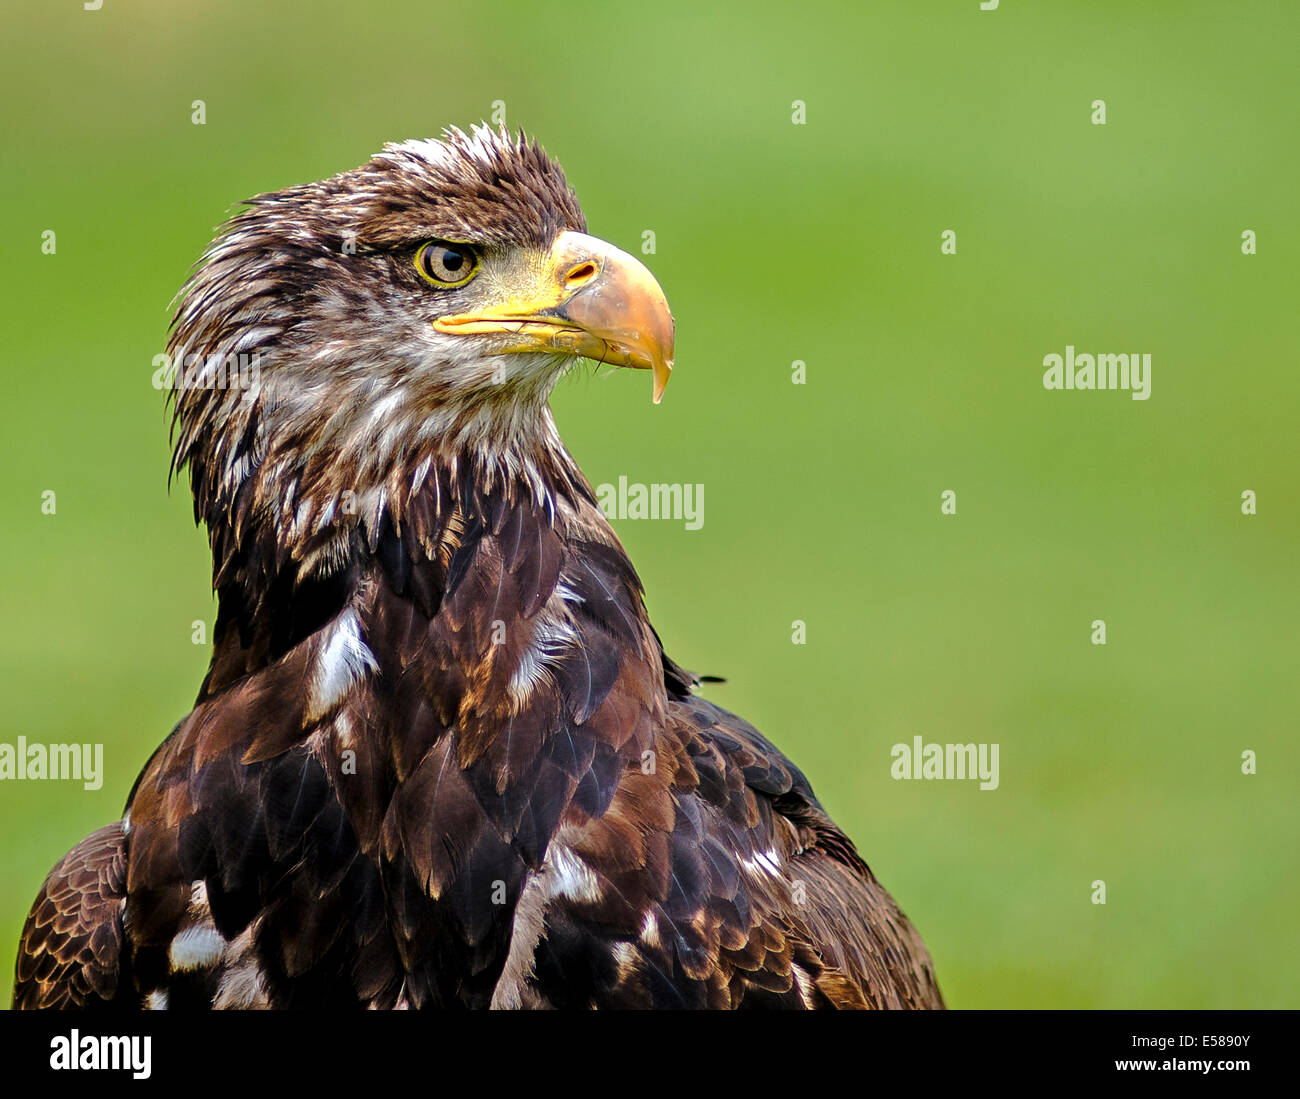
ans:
(662, 370)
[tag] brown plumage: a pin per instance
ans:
(440, 757)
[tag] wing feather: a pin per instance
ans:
(70, 951)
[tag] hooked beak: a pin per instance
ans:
(589, 299)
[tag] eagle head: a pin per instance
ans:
(340, 338)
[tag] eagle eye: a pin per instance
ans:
(446, 265)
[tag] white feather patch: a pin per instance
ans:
(343, 660)
(198, 947)
(550, 639)
(763, 862)
(243, 985)
(568, 876)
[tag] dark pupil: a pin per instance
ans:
(452, 261)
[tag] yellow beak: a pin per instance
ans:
(588, 299)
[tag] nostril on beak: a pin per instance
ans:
(582, 273)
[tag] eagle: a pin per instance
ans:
(440, 758)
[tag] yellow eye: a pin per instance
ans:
(446, 265)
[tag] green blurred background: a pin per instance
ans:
(775, 242)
